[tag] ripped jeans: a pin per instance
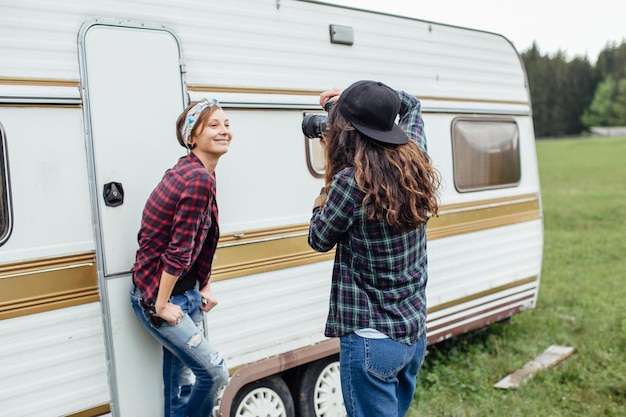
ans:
(193, 371)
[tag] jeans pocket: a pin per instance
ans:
(386, 357)
(147, 317)
(196, 298)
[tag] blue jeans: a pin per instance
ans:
(193, 371)
(378, 375)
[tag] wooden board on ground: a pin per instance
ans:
(550, 357)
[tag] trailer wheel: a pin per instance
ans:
(320, 390)
(269, 397)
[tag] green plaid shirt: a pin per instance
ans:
(379, 276)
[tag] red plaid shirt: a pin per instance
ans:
(178, 227)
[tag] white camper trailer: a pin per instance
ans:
(89, 94)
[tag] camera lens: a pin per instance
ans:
(314, 126)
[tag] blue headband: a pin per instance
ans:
(192, 117)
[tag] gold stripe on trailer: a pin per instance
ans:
(265, 250)
(51, 82)
(456, 219)
(39, 82)
(200, 88)
(35, 286)
(520, 295)
(482, 294)
(93, 412)
(30, 287)
(55, 93)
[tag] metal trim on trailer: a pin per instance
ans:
(273, 91)
(91, 168)
(51, 92)
(41, 92)
(4, 159)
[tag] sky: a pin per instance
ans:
(576, 28)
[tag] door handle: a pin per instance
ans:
(113, 194)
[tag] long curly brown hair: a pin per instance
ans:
(399, 182)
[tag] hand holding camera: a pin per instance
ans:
(316, 125)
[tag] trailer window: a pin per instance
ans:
(486, 154)
(315, 159)
(5, 204)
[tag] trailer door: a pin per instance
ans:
(133, 91)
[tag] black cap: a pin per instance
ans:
(372, 107)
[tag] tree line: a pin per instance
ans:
(570, 96)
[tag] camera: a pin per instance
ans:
(316, 125)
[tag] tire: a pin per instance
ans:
(269, 397)
(319, 393)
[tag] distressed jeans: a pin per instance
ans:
(193, 371)
(378, 376)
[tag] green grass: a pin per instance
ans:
(582, 303)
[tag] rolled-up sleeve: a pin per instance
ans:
(334, 218)
(411, 120)
(187, 218)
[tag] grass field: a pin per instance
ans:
(582, 303)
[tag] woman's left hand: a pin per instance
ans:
(208, 299)
(332, 94)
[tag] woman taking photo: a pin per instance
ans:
(380, 191)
